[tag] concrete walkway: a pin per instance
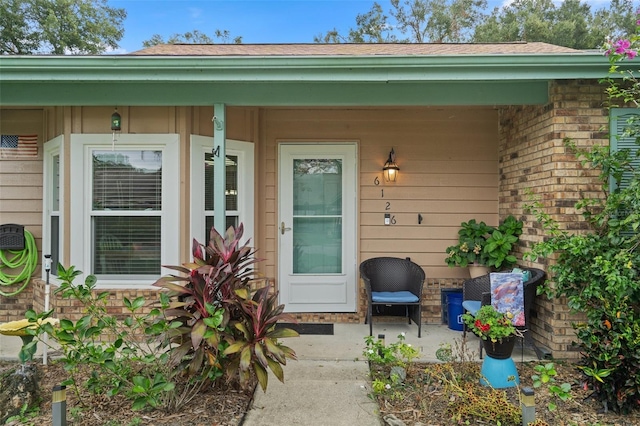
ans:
(328, 384)
(316, 393)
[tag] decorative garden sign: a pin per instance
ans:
(507, 295)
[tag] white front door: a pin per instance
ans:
(317, 227)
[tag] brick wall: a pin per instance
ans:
(13, 307)
(431, 305)
(74, 310)
(33, 297)
(533, 158)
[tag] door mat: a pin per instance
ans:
(308, 327)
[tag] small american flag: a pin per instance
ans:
(18, 146)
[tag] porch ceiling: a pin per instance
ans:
(290, 81)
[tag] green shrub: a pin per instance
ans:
(131, 363)
(204, 324)
(598, 271)
(598, 274)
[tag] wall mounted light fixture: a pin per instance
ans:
(390, 168)
(116, 126)
(116, 121)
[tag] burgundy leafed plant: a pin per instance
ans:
(217, 321)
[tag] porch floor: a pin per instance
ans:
(347, 342)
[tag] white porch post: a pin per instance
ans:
(219, 173)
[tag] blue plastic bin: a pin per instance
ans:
(455, 311)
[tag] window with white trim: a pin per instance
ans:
(239, 191)
(52, 196)
(124, 209)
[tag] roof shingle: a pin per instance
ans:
(360, 49)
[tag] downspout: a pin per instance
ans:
(219, 169)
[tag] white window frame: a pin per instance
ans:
(201, 145)
(52, 148)
(82, 146)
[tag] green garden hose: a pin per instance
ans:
(25, 260)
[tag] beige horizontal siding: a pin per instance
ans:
(449, 170)
(430, 193)
(17, 192)
(448, 173)
(437, 167)
(29, 220)
(404, 232)
(17, 205)
(428, 206)
(408, 178)
(21, 178)
(24, 180)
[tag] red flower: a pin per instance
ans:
(482, 327)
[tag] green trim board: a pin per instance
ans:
(275, 94)
(388, 80)
(285, 68)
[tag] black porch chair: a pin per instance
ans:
(476, 292)
(391, 281)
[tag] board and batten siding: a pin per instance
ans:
(448, 159)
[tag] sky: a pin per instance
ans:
(257, 21)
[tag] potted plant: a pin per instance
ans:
(495, 328)
(482, 245)
(472, 238)
(501, 242)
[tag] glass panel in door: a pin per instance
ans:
(317, 227)
(317, 216)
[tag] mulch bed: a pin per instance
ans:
(220, 405)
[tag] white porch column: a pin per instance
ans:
(219, 173)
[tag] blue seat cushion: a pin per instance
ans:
(472, 306)
(393, 297)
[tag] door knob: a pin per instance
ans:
(283, 229)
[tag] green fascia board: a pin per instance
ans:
(360, 68)
(276, 94)
(319, 80)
